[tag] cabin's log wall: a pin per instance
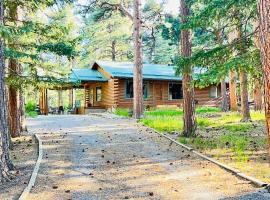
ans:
(113, 95)
(159, 89)
(107, 93)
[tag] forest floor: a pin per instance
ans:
(222, 136)
(23, 155)
(106, 157)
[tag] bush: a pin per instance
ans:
(30, 106)
(122, 112)
(32, 114)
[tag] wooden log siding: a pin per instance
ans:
(160, 90)
(113, 95)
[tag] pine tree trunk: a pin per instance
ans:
(60, 98)
(5, 162)
(188, 88)
(244, 96)
(233, 91)
(113, 50)
(264, 10)
(137, 69)
(14, 102)
(22, 113)
(13, 92)
(257, 94)
(225, 101)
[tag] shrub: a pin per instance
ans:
(32, 114)
(30, 106)
(122, 112)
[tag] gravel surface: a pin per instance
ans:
(23, 155)
(105, 157)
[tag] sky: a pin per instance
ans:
(171, 6)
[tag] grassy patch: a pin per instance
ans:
(238, 127)
(122, 112)
(200, 110)
(163, 124)
(31, 114)
(164, 112)
(221, 135)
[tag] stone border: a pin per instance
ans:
(224, 166)
(32, 180)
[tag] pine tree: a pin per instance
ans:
(5, 162)
(264, 9)
(137, 69)
(188, 88)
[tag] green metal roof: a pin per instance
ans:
(86, 75)
(150, 71)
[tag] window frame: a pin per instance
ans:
(179, 83)
(144, 83)
(98, 100)
(216, 92)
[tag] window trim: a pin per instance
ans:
(213, 97)
(144, 82)
(98, 87)
(169, 99)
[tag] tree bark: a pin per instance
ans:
(233, 91)
(225, 100)
(257, 95)
(13, 92)
(14, 102)
(5, 162)
(137, 69)
(22, 113)
(113, 50)
(188, 88)
(264, 10)
(244, 96)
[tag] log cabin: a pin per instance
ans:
(109, 85)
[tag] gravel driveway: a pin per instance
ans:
(105, 157)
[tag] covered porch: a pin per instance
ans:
(88, 83)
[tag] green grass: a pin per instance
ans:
(200, 110)
(122, 112)
(31, 114)
(164, 124)
(164, 112)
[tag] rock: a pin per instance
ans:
(54, 187)
(126, 197)
(67, 191)
(151, 194)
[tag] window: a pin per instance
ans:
(213, 92)
(175, 91)
(129, 89)
(98, 93)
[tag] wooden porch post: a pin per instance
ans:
(43, 101)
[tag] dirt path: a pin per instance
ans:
(93, 157)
